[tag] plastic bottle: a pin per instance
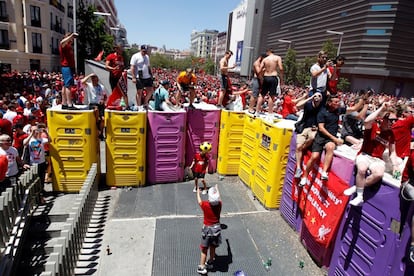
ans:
(122, 103)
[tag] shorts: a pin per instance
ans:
(224, 82)
(210, 236)
(67, 75)
(256, 87)
(270, 84)
(199, 175)
(319, 143)
(369, 161)
(306, 135)
(186, 87)
(101, 108)
(141, 83)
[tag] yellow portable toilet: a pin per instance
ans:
(74, 147)
(248, 152)
(272, 158)
(230, 142)
(125, 147)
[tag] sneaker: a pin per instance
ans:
(64, 106)
(209, 265)
(358, 201)
(302, 182)
(201, 270)
(324, 175)
(71, 107)
(194, 190)
(298, 172)
(220, 106)
(411, 253)
(191, 106)
(350, 191)
(204, 192)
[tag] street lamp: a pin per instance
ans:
(285, 41)
(102, 13)
(340, 39)
(250, 59)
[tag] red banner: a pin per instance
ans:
(322, 204)
(119, 91)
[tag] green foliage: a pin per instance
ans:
(93, 36)
(329, 48)
(303, 73)
(344, 84)
(290, 67)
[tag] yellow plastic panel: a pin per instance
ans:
(230, 142)
(74, 147)
(272, 157)
(125, 147)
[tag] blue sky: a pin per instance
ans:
(169, 23)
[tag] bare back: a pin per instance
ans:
(271, 64)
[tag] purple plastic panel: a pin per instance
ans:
(320, 254)
(292, 148)
(343, 167)
(202, 125)
(288, 208)
(401, 264)
(165, 146)
(368, 235)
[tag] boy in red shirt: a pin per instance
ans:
(199, 166)
(211, 231)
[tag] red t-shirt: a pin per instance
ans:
(115, 60)
(201, 163)
(402, 133)
(376, 141)
(4, 164)
(67, 58)
(211, 213)
(288, 106)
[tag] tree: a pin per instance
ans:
(290, 67)
(330, 49)
(303, 74)
(93, 37)
(344, 84)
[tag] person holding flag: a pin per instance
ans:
(118, 93)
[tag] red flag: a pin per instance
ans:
(119, 91)
(99, 57)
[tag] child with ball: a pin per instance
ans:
(199, 166)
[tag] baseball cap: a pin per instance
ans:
(165, 82)
(144, 47)
(213, 196)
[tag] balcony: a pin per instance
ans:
(5, 46)
(57, 5)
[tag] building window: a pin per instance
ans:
(35, 64)
(3, 11)
(4, 39)
(35, 16)
(381, 7)
(37, 43)
(376, 32)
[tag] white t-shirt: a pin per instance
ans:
(94, 94)
(318, 81)
(141, 63)
(37, 150)
(12, 154)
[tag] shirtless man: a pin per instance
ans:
(270, 65)
(224, 80)
(257, 82)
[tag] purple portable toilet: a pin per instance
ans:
(288, 208)
(165, 146)
(203, 124)
(368, 235)
(343, 163)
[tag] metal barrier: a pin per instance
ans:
(17, 204)
(67, 247)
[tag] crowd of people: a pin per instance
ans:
(325, 117)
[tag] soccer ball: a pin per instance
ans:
(205, 147)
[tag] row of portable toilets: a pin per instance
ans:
(155, 147)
